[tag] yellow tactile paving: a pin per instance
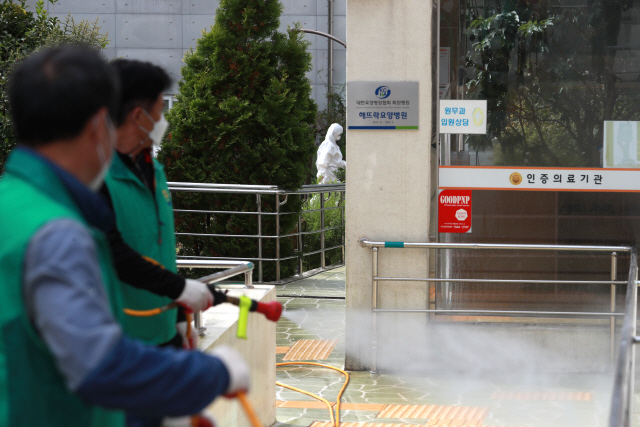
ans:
(438, 415)
(583, 396)
(362, 406)
(282, 350)
(328, 424)
(310, 350)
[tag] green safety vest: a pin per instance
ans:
(32, 390)
(146, 224)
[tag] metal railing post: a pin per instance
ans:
(300, 248)
(322, 260)
(197, 322)
(634, 316)
(342, 224)
(612, 321)
(277, 238)
(248, 280)
(259, 201)
(374, 303)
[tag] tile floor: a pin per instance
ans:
(314, 310)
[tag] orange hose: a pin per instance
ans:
(248, 409)
(149, 313)
(335, 421)
(142, 313)
(189, 319)
(315, 396)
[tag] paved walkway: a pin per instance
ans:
(314, 311)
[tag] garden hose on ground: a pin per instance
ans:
(248, 409)
(334, 420)
(272, 311)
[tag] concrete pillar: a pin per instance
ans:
(388, 176)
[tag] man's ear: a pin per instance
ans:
(136, 114)
(95, 124)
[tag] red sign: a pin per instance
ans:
(454, 211)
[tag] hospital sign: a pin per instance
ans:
(463, 116)
(387, 105)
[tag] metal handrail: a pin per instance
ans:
(622, 396)
(376, 246)
(369, 244)
(281, 195)
(255, 189)
(233, 268)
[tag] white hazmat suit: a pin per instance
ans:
(329, 156)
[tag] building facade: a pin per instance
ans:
(556, 165)
(162, 31)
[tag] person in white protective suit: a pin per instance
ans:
(329, 156)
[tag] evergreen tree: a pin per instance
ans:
(243, 116)
(22, 32)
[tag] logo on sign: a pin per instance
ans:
(461, 215)
(478, 116)
(383, 92)
(515, 178)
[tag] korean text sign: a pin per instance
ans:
(538, 179)
(463, 116)
(454, 211)
(383, 105)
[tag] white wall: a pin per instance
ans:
(162, 31)
(388, 172)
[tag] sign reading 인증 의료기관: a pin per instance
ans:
(463, 116)
(382, 105)
(520, 178)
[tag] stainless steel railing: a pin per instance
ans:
(612, 315)
(324, 192)
(623, 386)
(232, 269)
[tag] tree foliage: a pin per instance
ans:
(551, 77)
(22, 32)
(243, 115)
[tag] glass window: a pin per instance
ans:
(552, 72)
(562, 84)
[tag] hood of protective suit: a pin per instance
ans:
(331, 133)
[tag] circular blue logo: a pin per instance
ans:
(383, 92)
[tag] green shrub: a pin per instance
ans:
(243, 115)
(22, 32)
(311, 221)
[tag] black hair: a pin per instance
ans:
(54, 92)
(142, 83)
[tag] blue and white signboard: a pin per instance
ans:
(382, 105)
(463, 116)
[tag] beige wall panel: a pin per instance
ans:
(388, 171)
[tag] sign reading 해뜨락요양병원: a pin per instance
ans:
(463, 116)
(382, 105)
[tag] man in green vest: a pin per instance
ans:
(64, 360)
(144, 244)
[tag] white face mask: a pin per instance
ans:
(105, 162)
(159, 128)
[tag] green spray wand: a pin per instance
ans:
(271, 310)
